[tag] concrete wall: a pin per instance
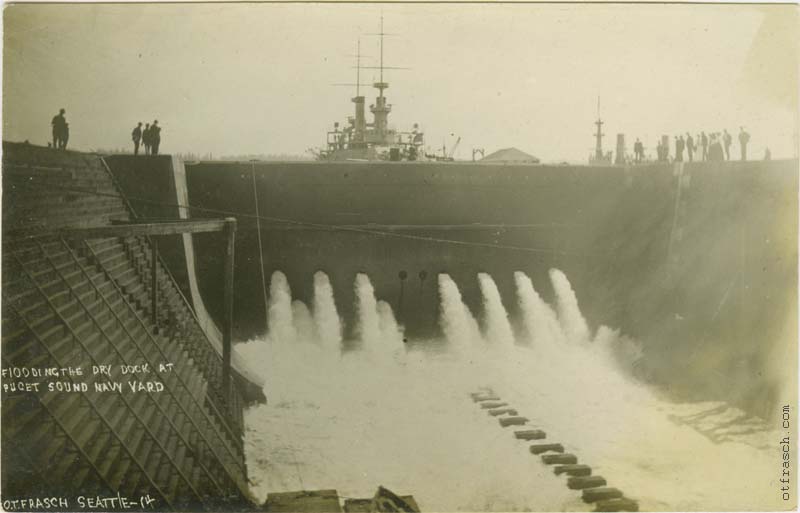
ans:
(697, 261)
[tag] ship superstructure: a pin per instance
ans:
(362, 140)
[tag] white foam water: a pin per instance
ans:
(367, 321)
(540, 321)
(326, 317)
(304, 327)
(569, 314)
(279, 313)
(459, 326)
(357, 422)
(497, 328)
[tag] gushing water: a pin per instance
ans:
(538, 318)
(303, 322)
(497, 328)
(569, 314)
(326, 317)
(459, 326)
(280, 318)
(368, 327)
(328, 417)
(391, 334)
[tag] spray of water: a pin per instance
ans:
(318, 407)
(569, 314)
(368, 328)
(459, 326)
(303, 322)
(326, 317)
(280, 318)
(538, 318)
(497, 329)
(391, 334)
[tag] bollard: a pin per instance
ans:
(560, 459)
(600, 494)
(530, 434)
(513, 421)
(580, 483)
(621, 504)
(573, 470)
(487, 406)
(540, 448)
(502, 411)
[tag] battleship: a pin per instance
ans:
(360, 140)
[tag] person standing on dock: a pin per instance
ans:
(727, 140)
(690, 146)
(679, 146)
(638, 151)
(59, 129)
(155, 137)
(704, 144)
(136, 135)
(744, 138)
(146, 138)
(715, 152)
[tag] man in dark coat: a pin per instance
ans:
(136, 135)
(690, 146)
(704, 144)
(146, 138)
(59, 129)
(155, 136)
(744, 138)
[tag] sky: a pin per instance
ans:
(232, 79)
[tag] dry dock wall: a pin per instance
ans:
(78, 305)
(697, 261)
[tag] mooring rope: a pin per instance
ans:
(260, 249)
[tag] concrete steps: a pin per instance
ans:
(81, 304)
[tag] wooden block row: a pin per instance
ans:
(512, 421)
(502, 411)
(583, 482)
(492, 404)
(542, 448)
(530, 434)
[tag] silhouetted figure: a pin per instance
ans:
(767, 154)
(727, 140)
(679, 146)
(59, 129)
(690, 146)
(155, 137)
(146, 139)
(704, 144)
(65, 136)
(744, 138)
(638, 150)
(136, 135)
(715, 152)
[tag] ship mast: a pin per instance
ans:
(381, 110)
(598, 151)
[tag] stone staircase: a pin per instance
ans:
(79, 303)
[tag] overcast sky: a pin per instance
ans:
(257, 78)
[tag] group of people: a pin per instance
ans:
(714, 147)
(60, 130)
(150, 136)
